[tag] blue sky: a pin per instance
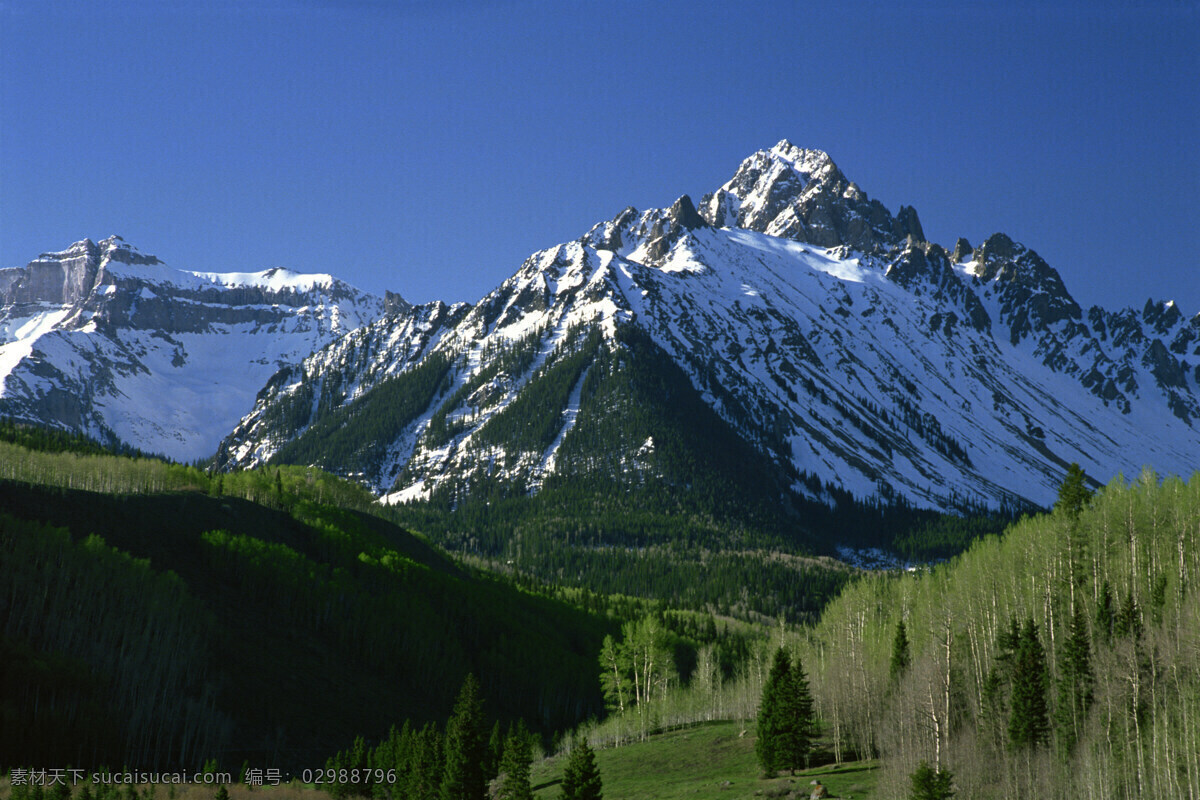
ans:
(429, 147)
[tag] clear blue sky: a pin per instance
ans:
(429, 147)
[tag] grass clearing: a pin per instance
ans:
(712, 761)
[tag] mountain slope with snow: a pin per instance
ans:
(102, 339)
(821, 329)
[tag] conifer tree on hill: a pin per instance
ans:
(802, 727)
(581, 777)
(495, 752)
(771, 721)
(1075, 682)
(931, 784)
(1029, 721)
(1073, 496)
(515, 765)
(901, 656)
(1073, 493)
(786, 719)
(466, 747)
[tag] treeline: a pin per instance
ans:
(688, 560)
(93, 471)
(942, 536)
(655, 542)
(1060, 660)
(52, 440)
(428, 763)
(102, 471)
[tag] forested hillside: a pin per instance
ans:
(153, 615)
(158, 615)
(686, 511)
(1059, 660)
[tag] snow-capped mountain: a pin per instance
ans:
(102, 339)
(817, 326)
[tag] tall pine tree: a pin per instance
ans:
(1075, 682)
(466, 747)
(1073, 493)
(1028, 722)
(800, 724)
(515, 765)
(772, 715)
(426, 765)
(495, 752)
(1073, 496)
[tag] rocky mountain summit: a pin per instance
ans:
(103, 339)
(788, 312)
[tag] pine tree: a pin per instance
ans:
(772, 715)
(426, 765)
(1075, 682)
(1073, 493)
(466, 748)
(997, 685)
(495, 752)
(59, 791)
(901, 657)
(1128, 621)
(931, 784)
(581, 777)
(515, 765)
(799, 724)
(1029, 724)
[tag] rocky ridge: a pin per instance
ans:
(818, 326)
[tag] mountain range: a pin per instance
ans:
(104, 340)
(786, 335)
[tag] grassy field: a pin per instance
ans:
(710, 761)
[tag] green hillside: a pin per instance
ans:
(160, 615)
(1059, 660)
(244, 616)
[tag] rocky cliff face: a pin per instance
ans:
(103, 339)
(69, 277)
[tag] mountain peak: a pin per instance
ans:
(114, 248)
(796, 193)
(683, 212)
(808, 163)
